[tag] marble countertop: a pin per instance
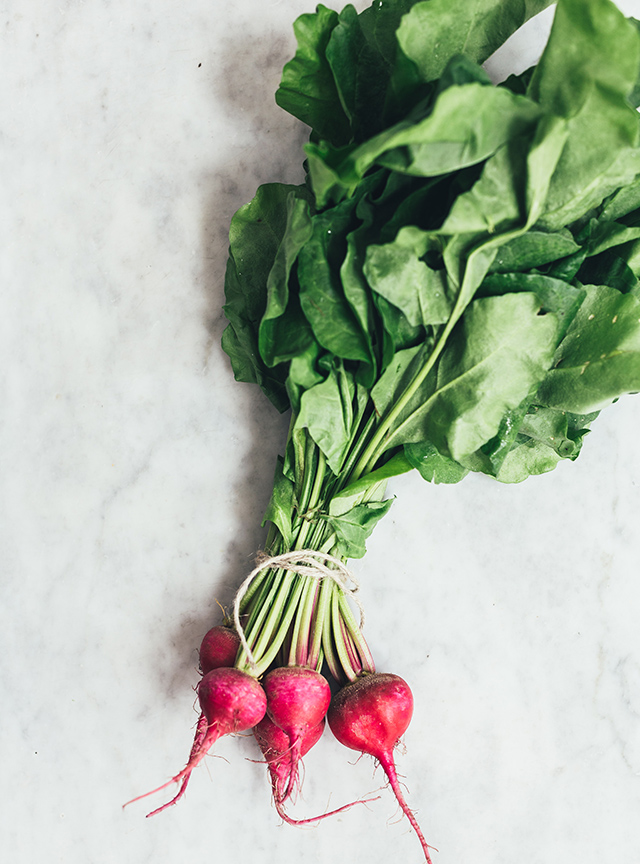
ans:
(135, 472)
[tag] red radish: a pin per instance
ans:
(370, 715)
(276, 749)
(218, 648)
(297, 700)
(231, 701)
(275, 746)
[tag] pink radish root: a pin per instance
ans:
(297, 701)
(231, 701)
(277, 751)
(370, 715)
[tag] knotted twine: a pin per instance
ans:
(305, 562)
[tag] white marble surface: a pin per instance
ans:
(135, 472)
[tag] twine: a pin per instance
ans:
(305, 562)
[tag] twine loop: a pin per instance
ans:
(305, 562)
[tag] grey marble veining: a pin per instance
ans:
(135, 472)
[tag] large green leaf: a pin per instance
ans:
(588, 85)
(599, 358)
(335, 324)
(497, 355)
(467, 124)
(435, 30)
(370, 72)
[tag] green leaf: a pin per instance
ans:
(255, 236)
(588, 86)
(609, 234)
(370, 72)
(599, 358)
(622, 202)
(534, 249)
(335, 325)
(284, 332)
(397, 377)
(327, 411)
(354, 527)
(526, 459)
(467, 124)
(369, 487)
(307, 89)
(303, 374)
(432, 465)
(280, 508)
(542, 438)
(398, 272)
(436, 30)
(554, 295)
(497, 355)
(562, 431)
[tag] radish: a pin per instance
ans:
(219, 647)
(370, 715)
(230, 701)
(297, 701)
(275, 746)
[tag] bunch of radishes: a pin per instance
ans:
(286, 709)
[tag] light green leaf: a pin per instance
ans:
(354, 527)
(599, 358)
(588, 86)
(432, 465)
(437, 29)
(280, 508)
(397, 272)
(497, 356)
(326, 410)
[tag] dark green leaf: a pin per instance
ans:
(370, 72)
(308, 90)
(334, 323)
(284, 332)
(255, 236)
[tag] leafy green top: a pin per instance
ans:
(455, 287)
